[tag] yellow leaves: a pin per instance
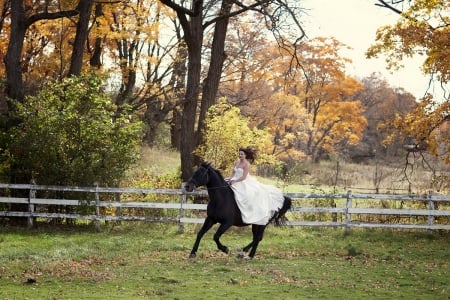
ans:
(423, 29)
(428, 123)
(135, 20)
(339, 121)
(226, 131)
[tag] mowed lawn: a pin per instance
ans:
(150, 261)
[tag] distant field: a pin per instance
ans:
(322, 177)
(150, 261)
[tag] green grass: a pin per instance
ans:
(150, 261)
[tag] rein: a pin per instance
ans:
(218, 187)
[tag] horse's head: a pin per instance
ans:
(200, 177)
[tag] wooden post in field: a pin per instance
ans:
(348, 216)
(31, 196)
(430, 208)
(97, 207)
(182, 213)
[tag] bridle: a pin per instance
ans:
(204, 174)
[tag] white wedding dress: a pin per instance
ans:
(257, 202)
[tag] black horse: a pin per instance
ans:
(222, 208)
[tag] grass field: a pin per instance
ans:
(150, 261)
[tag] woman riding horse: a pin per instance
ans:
(223, 209)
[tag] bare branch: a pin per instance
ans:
(197, 7)
(387, 5)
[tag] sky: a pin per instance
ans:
(354, 23)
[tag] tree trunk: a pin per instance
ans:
(194, 41)
(175, 129)
(211, 83)
(150, 119)
(155, 113)
(84, 7)
(14, 81)
(178, 82)
(95, 60)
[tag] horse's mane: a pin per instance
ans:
(208, 165)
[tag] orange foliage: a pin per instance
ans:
(424, 29)
(308, 110)
(426, 125)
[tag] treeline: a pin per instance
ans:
(165, 64)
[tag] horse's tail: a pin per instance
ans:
(280, 216)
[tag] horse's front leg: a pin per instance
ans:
(206, 226)
(221, 230)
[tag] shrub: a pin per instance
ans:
(226, 131)
(71, 133)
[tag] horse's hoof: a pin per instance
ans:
(192, 255)
(241, 254)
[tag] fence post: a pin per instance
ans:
(118, 209)
(97, 207)
(32, 195)
(430, 208)
(348, 216)
(182, 202)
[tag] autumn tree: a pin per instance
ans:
(327, 96)
(84, 9)
(423, 29)
(144, 39)
(127, 36)
(337, 122)
(254, 80)
(380, 102)
(296, 105)
(194, 22)
(254, 69)
(23, 15)
(287, 121)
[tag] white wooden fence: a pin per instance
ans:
(429, 212)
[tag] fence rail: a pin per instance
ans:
(430, 212)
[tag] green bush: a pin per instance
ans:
(71, 133)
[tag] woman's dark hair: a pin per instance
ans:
(250, 154)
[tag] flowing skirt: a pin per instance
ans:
(257, 202)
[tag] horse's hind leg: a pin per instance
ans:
(221, 230)
(206, 226)
(258, 232)
(245, 250)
